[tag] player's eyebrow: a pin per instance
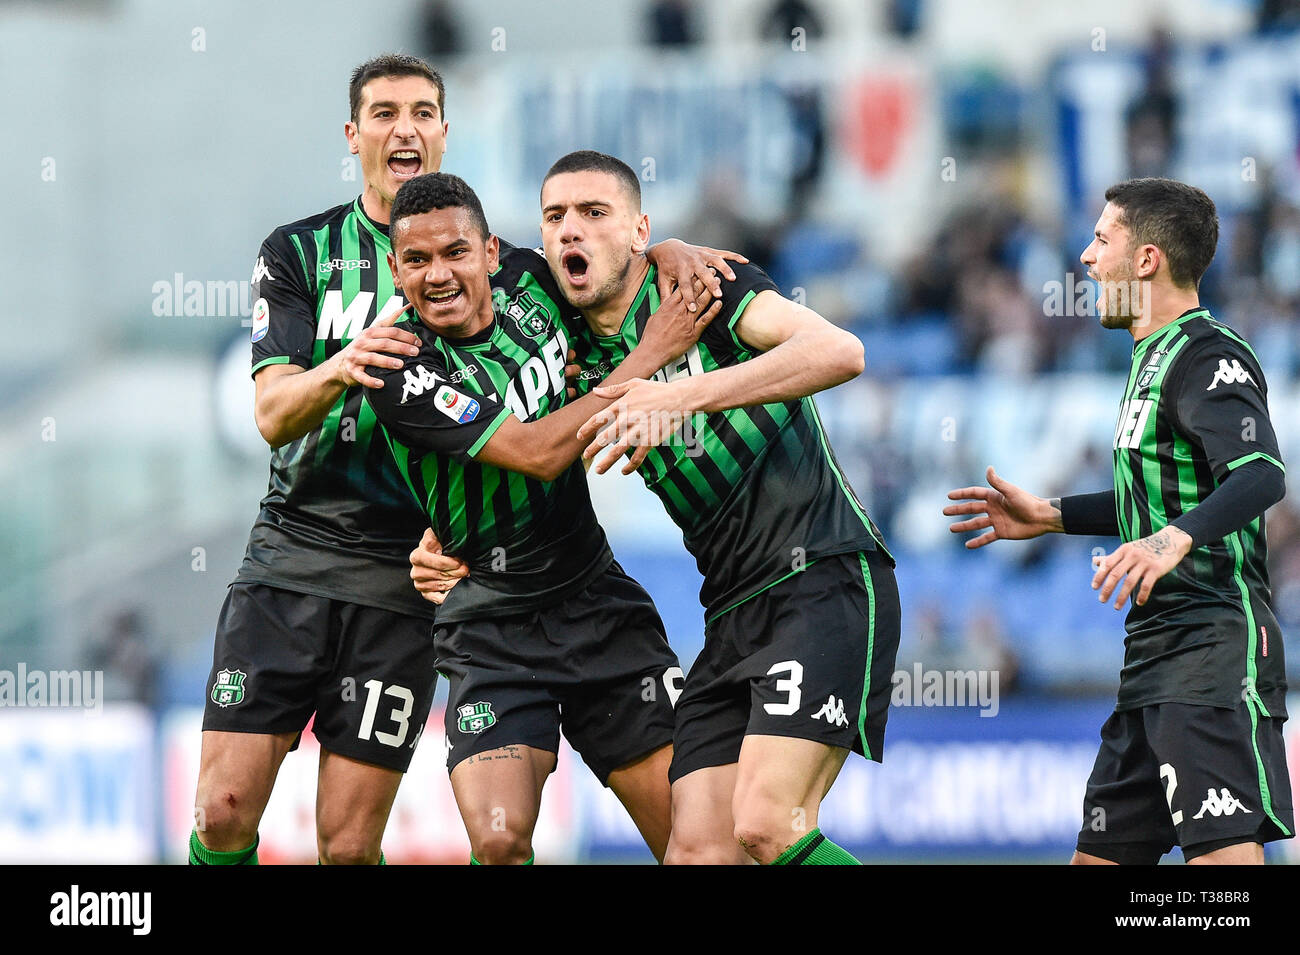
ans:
(390, 104)
(586, 204)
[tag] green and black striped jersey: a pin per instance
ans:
(528, 543)
(1195, 407)
(337, 519)
(757, 491)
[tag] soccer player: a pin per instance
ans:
(546, 631)
(322, 616)
(801, 608)
(1192, 755)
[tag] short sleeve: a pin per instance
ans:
(1220, 399)
(284, 310)
(736, 296)
(423, 411)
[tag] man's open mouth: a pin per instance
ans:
(575, 265)
(442, 298)
(405, 163)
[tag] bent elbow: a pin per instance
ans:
(853, 356)
(266, 428)
(549, 471)
(271, 428)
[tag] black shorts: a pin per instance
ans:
(811, 657)
(597, 665)
(366, 673)
(1195, 776)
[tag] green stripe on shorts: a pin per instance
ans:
(871, 641)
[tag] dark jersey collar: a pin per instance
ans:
(380, 229)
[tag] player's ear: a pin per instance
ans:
(1148, 262)
(392, 264)
(641, 234)
(493, 249)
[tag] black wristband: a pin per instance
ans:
(1090, 514)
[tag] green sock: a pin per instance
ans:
(815, 849)
(202, 855)
(473, 861)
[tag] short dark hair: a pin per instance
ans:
(588, 160)
(393, 64)
(1178, 219)
(437, 190)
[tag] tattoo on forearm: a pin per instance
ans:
(1056, 504)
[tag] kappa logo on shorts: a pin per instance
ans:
(475, 717)
(832, 711)
(1222, 803)
(229, 688)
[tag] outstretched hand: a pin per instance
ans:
(1011, 512)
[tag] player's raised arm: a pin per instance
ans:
(679, 263)
(544, 448)
(1009, 512)
(293, 398)
(800, 353)
(422, 410)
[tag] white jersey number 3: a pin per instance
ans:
(789, 686)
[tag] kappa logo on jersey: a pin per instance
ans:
(1132, 422)
(415, 382)
(260, 271)
(459, 408)
(530, 315)
(343, 265)
(229, 688)
(602, 369)
(1228, 374)
(469, 371)
(832, 712)
(1222, 803)
(1148, 372)
(475, 717)
(261, 319)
